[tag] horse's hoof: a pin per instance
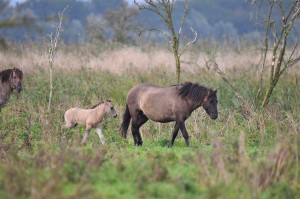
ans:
(139, 144)
(170, 145)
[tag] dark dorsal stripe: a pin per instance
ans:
(193, 91)
(99, 104)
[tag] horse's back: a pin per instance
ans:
(157, 103)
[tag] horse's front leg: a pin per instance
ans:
(101, 136)
(86, 135)
(184, 133)
(174, 135)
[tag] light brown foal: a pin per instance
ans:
(90, 118)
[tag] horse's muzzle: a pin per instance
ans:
(214, 116)
(19, 87)
(115, 115)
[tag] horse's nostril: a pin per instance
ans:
(214, 116)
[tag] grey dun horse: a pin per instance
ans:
(10, 79)
(90, 118)
(175, 103)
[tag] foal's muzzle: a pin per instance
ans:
(115, 115)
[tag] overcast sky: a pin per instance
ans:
(13, 2)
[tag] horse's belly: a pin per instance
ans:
(158, 116)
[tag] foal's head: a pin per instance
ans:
(14, 77)
(110, 109)
(210, 104)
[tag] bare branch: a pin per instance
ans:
(159, 30)
(184, 17)
(291, 60)
(190, 42)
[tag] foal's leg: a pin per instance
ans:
(184, 133)
(87, 133)
(68, 125)
(101, 136)
(174, 135)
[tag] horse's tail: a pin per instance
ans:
(125, 123)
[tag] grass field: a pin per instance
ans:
(243, 154)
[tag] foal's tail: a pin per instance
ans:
(125, 123)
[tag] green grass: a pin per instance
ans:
(38, 159)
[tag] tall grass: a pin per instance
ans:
(241, 155)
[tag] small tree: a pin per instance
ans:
(119, 24)
(14, 19)
(164, 9)
(122, 22)
(52, 48)
(279, 22)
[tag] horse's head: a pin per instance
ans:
(15, 79)
(110, 109)
(210, 104)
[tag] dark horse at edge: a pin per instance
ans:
(10, 79)
(174, 103)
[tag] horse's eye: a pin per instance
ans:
(112, 108)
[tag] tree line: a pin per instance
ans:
(118, 21)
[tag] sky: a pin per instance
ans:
(13, 2)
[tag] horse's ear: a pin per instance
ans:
(215, 91)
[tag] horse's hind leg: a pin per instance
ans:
(174, 135)
(137, 122)
(68, 125)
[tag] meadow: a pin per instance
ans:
(245, 153)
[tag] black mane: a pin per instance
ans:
(99, 104)
(4, 75)
(193, 91)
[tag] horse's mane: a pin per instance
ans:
(98, 104)
(193, 91)
(4, 75)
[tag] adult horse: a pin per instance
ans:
(10, 79)
(175, 103)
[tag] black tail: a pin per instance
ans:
(125, 123)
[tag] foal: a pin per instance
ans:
(10, 79)
(90, 118)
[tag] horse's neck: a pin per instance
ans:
(100, 111)
(5, 91)
(194, 105)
